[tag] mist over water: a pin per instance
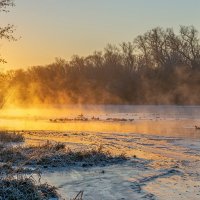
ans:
(159, 120)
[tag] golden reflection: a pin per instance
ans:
(166, 128)
(38, 119)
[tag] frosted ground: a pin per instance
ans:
(162, 144)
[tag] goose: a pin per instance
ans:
(197, 127)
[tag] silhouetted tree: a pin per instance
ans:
(159, 67)
(7, 31)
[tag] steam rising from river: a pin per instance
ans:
(164, 120)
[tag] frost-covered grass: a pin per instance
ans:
(57, 155)
(15, 182)
(10, 137)
(16, 162)
(25, 187)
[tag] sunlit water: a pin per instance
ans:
(156, 154)
(161, 120)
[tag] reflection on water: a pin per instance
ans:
(163, 120)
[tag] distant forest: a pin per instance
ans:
(158, 67)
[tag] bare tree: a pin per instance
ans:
(7, 31)
(128, 57)
(186, 45)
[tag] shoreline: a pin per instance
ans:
(155, 163)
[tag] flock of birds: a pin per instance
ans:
(81, 117)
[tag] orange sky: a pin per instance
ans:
(61, 28)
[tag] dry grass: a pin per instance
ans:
(56, 155)
(22, 187)
(15, 184)
(7, 168)
(79, 196)
(10, 137)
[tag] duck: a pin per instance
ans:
(197, 127)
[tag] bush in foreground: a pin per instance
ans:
(26, 188)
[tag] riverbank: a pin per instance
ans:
(158, 167)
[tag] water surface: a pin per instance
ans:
(159, 120)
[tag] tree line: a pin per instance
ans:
(158, 67)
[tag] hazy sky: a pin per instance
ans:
(61, 28)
